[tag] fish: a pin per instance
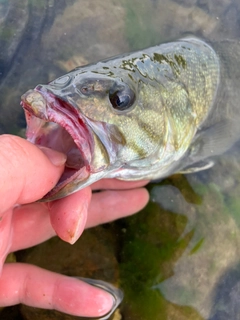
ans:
(144, 115)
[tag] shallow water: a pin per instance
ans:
(178, 258)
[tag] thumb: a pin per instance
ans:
(27, 173)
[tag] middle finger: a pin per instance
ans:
(31, 223)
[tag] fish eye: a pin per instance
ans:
(122, 99)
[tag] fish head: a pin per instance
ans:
(92, 118)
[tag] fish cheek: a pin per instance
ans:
(140, 129)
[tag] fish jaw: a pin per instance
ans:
(53, 123)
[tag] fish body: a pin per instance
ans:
(143, 115)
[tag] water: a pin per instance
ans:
(178, 258)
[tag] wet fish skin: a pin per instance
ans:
(162, 97)
(220, 130)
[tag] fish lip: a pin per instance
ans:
(52, 109)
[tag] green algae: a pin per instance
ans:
(173, 254)
(151, 246)
(197, 246)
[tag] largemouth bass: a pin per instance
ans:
(143, 115)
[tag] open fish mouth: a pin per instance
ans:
(54, 123)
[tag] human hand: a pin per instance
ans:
(27, 174)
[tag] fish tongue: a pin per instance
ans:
(62, 141)
(74, 159)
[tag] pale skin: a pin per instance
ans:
(27, 174)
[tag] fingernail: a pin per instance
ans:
(79, 226)
(57, 158)
(110, 300)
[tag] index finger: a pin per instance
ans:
(27, 174)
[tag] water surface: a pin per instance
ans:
(179, 258)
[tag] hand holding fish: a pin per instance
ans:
(27, 174)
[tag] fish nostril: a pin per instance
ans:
(39, 87)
